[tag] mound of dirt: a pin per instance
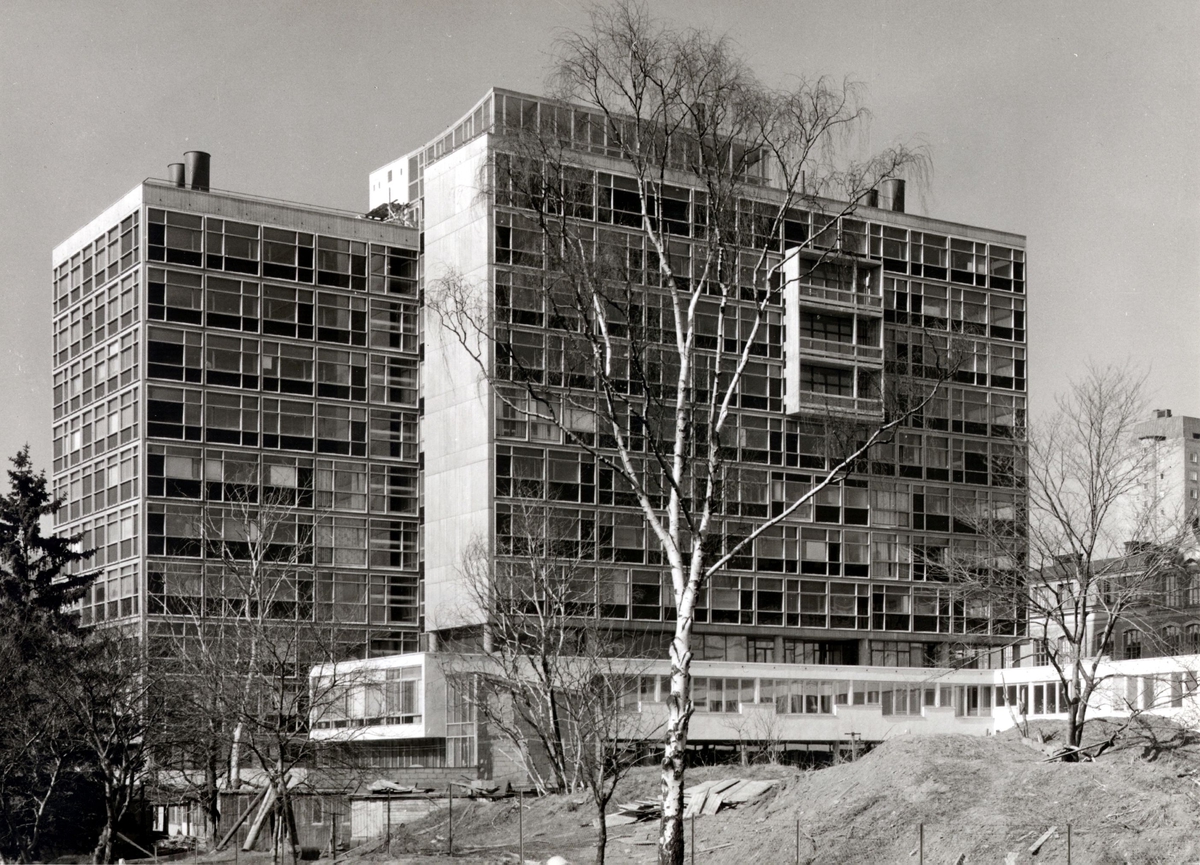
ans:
(979, 797)
(986, 798)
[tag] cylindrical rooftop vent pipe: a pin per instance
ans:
(871, 199)
(196, 162)
(175, 174)
(894, 192)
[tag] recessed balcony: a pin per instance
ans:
(834, 405)
(825, 296)
(834, 281)
(869, 354)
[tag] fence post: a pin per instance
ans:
(333, 837)
(921, 844)
(450, 821)
(693, 839)
(797, 841)
(521, 827)
(389, 822)
(1068, 844)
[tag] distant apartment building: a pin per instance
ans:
(1166, 620)
(1154, 573)
(1171, 490)
(213, 351)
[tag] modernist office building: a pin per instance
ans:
(214, 351)
(853, 579)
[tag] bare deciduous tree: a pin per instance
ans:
(548, 675)
(241, 693)
(108, 695)
(1094, 551)
(659, 325)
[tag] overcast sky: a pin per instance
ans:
(1075, 124)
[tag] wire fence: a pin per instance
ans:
(1136, 838)
(1085, 843)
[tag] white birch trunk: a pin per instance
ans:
(679, 710)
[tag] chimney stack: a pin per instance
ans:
(175, 174)
(894, 193)
(196, 167)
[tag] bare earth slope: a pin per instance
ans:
(980, 797)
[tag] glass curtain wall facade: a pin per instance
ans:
(858, 575)
(213, 351)
(218, 355)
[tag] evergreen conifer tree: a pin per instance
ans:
(34, 583)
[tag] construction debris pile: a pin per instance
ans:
(470, 789)
(701, 800)
(1055, 753)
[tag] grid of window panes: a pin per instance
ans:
(867, 556)
(283, 369)
(95, 434)
(712, 694)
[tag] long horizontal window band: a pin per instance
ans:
(267, 251)
(234, 533)
(215, 589)
(273, 310)
(181, 472)
(222, 417)
(189, 356)
(213, 358)
(793, 696)
(586, 195)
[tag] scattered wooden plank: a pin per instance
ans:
(712, 804)
(1037, 845)
(728, 794)
(722, 786)
(611, 820)
(698, 788)
(747, 791)
(695, 805)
